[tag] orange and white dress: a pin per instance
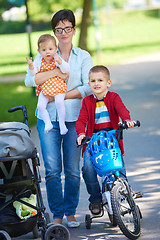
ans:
(52, 86)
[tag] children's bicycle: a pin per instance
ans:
(117, 196)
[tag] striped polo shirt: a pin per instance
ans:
(102, 119)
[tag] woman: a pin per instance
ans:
(64, 28)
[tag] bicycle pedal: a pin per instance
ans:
(138, 195)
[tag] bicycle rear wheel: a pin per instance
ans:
(125, 211)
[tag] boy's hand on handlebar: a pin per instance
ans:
(80, 138)
(130, 123)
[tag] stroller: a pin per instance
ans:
(21, 204)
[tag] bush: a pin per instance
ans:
(8, 27)
(155, 13)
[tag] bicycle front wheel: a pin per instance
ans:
(125, 211)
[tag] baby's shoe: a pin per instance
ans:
(48, 127)
(63, 130)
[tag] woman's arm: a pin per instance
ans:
(79, 75)
(85, 67)
(41, 77)
(73, 94)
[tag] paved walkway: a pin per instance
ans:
(147, 58)
(138, 83)
(12, 78)
(154, 57)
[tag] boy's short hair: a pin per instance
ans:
(100, 68)
(45, 37)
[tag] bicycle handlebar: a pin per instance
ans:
(122, 126)
(24, 110)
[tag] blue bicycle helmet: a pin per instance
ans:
(105, 153)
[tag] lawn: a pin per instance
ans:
(15, 94)
(122, 35)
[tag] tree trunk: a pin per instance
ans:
(148, 3)
(84, 24)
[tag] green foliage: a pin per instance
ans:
(12, 27)
(16, 94)
(6, 4)
(117, 3)
(123, 35)
(39, 10)
(154, 13)
(7, 27)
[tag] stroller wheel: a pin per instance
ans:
(57, 232)
(35, 232)
(47, 217)
(4, 235)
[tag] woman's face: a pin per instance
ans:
(64, 31)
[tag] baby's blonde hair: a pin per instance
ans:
(44, 38)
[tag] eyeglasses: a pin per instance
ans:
(60, 30)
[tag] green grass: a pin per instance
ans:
(127, 35)
(14, 52)
(15, 94)
(123, 35)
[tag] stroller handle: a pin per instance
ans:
(24, 110)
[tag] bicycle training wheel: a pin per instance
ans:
(88, 221)
(125, 211)
(112, 219)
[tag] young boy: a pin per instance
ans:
(99, 111)
(53, 87)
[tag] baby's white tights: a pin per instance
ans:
(59, 102)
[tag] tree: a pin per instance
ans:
(85, 23)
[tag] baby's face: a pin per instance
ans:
(47, 50)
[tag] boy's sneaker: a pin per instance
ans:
(95, 208)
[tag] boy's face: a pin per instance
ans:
(99, 84)
(47, 49)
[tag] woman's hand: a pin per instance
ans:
(41, 77)
(64, 76)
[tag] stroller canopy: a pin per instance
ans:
(15, 140)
